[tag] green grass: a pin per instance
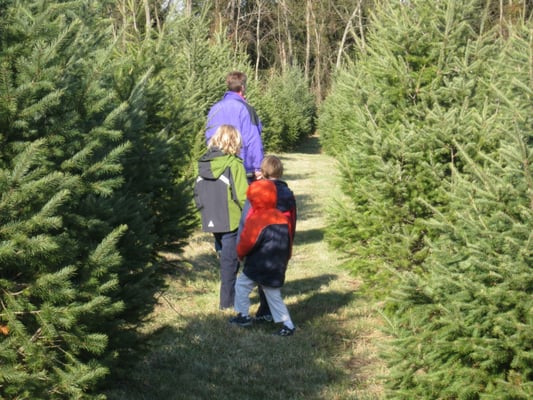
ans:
(194, 353)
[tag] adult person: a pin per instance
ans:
(219, 194)
(233, 109)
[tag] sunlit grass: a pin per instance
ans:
(194, 353)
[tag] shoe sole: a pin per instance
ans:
(285, 332)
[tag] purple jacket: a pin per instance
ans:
(234, 110)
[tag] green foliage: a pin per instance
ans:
(392, 121)
(433, 134)
(464, 328)
(336, 123)
(165, 80)
(463, 325)
(101, 123)
(287, 110)
(59, 153)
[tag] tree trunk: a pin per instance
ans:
(188, 8)
(237, 20)
(361, 29)
(308, 11)
(345, 33)
(258, 39)
(148, 20)
(317, 74)
(286, 55)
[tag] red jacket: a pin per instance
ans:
(265, 240)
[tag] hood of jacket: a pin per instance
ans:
(286, 200)
(213, 163)
(262, 195)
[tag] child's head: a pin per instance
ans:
(271, 167)
(228, 139)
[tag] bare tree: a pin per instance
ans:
(284, 33)
(348, 28)
(308, 13)
(148, 18)
(279, 33)
(318, 29)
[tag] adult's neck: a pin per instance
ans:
(241, 94)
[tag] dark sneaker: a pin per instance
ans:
(264, 318)
(241, 320)
(285, 331)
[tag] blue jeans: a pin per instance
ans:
(229, 266)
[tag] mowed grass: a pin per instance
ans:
(194, 353)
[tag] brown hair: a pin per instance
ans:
(228, 139)
(236, 81)
(271, 167)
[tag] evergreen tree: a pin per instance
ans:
(463, 325)
(167, 79)
(287, 110)
(392, 121)
(60, 158)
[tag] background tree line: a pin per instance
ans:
(277, 35)
(102, 110)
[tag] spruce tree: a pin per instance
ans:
(287, 110)
(166, 76)
(60, 159)
(392, 120)
(463, 325)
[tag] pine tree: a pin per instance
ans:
(287, 110)
(463, 325)
(166, 77)
(60, 158)
(392, 121)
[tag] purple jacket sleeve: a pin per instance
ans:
(252, 151)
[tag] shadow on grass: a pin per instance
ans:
(204, 265)
(320, 304)
(310, 145)
(307, 208)
(299, 176)
(307, 285)
(207, 358)
(309, 236)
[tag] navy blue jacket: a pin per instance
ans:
(265, 241)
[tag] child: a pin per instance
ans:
(219, 193)
(265, 246)
(272, 168)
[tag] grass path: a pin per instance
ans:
(195, 353)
